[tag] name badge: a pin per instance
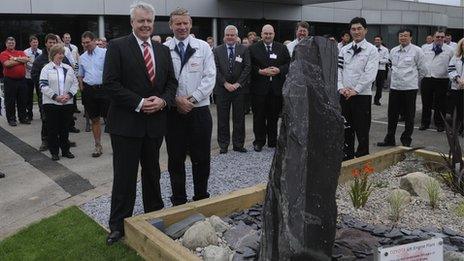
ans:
(273, 56)
(194, 67)
(238, 59)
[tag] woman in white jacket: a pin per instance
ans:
(456, 75)
(58, 85)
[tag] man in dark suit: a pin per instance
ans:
(139, 78)
(233, 69)
(270, 61)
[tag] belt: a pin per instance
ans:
(93, 86)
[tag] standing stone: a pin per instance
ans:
(300, 211)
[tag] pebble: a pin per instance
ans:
(417, 214)
(229, 172)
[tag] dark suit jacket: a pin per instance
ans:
(126, 81)
(262, 85)
(241, 70)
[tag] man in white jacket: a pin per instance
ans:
(189, 122)
(358, 63)
(408, 66)
(302, 31)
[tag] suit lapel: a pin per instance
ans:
(225, 57)
(137, 53)
(158, 57)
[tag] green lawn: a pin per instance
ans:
(69, 235)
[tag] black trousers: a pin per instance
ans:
(401, 102)
(266, 110)
(457, 97)
(15, 95)
(223, 104)
(379, 84)
(189, 133)
(128, 152)
(30, 98)
(433, 94)
(357, 113)
(58, 118)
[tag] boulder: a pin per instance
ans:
(201, 234)
(415, 183)
(218, 224)
(215, 253)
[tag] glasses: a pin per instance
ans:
(439, 37)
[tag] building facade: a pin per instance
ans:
(110, 18)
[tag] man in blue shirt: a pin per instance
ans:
(90, 83)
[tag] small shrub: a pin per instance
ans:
(459, 210)
(433, 191)
(361, 188)
(398, 202)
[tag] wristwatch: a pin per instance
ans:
(192, 100)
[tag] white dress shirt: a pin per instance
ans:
(30, 53)
(358, 71)
(408, 65)
(437, 65)
(150, 49)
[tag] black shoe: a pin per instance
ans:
(113, 237)
(258, 148)
(77, 111)
(13, 123)
(223, 151)
(377, 103)
(43, 146)
(440, 129)
(72, 144)
(406, 144)
(68, 155)
(74, 130)
(423, 127)
(2, 175)
(25, 121)
(240, 149)
(272, 145)
(55, 157)
(386, 144)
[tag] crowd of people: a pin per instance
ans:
(147, 91)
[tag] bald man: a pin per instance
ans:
(270, 61)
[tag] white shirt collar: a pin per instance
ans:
(185, 41)
(360, 44)
(56, 66)
(139, 41)
(266, 45)
(233, 46)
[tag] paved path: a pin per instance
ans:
(36, 187)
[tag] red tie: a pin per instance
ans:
(148, 62)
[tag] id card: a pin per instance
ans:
(273, 56)
(238, 59)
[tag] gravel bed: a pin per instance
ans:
(229, 172)
(417, 214)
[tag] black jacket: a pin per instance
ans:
(126, 81)
(262, 85)
(241, 68)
